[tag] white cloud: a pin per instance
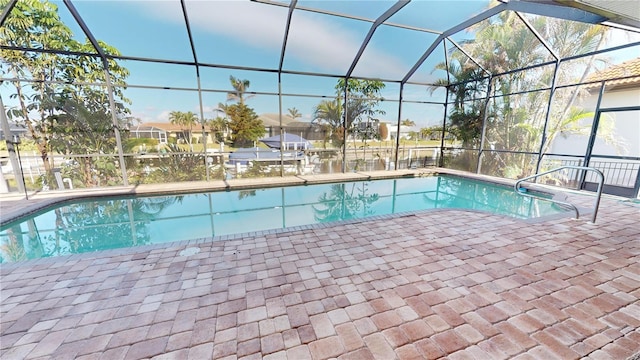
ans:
(315, 40)
(149, 114)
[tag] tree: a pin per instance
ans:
(32, 22)
(408, 123)
(184, 119)
(362, 98)
(177, 166)
(431, 132)
(383, 131)
(294, 113)
(340, 117)
(42, 105)
(466, 88)
(95, 126)
(245, 125)
(219, 126)
(515, 119)
(239, 90)
(328, 115)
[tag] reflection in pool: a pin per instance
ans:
(113, 223)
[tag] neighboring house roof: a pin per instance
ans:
(267, 120)
(299, 124)
(629, 71)
(163, 126)
(15, 129)
(270, 119)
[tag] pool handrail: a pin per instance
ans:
(517, 188)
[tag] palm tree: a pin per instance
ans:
(294, 113)
(408, 123)
(239, 89)
(184, 119)
(516, 121)
(219, 126)
(467, 83)
(328, 114)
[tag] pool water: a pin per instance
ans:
(112, 223)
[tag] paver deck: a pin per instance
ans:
(437, 284)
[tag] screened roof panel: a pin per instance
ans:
(368, 9)
(423, 93)
(309, 85)
(160, 74)
(392, 51)
(462, 59)
(321, 43)
(151, 103)
(239, 33)
(391, 91)
(438, 15)
(515, 45)
(305, 106)
(428, 72)
(618, 63)
(561, 34)
(211, 102)
(140, 30)
(23, 15)
(14, 67)
(423, 115)
(72, 24)
(219, 78)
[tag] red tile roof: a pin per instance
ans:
(628, 70)
(168, 126)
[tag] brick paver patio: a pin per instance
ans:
(438, 284)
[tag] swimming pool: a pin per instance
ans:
(111, 223)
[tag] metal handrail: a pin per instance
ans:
(598, 196)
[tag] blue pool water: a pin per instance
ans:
(85, 226)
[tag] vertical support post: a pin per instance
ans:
(344, 125)
(24, 186)
(4, 188)
(483, 136)
(202, 124)
(592, 136)
(395, 165)
(444, 125)
(282, 149)
(547, 116)
(6, 129)
(446, 105)
(114, 119)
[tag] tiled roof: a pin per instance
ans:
(629, 70)
(168, 126)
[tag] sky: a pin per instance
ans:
(250, 34)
